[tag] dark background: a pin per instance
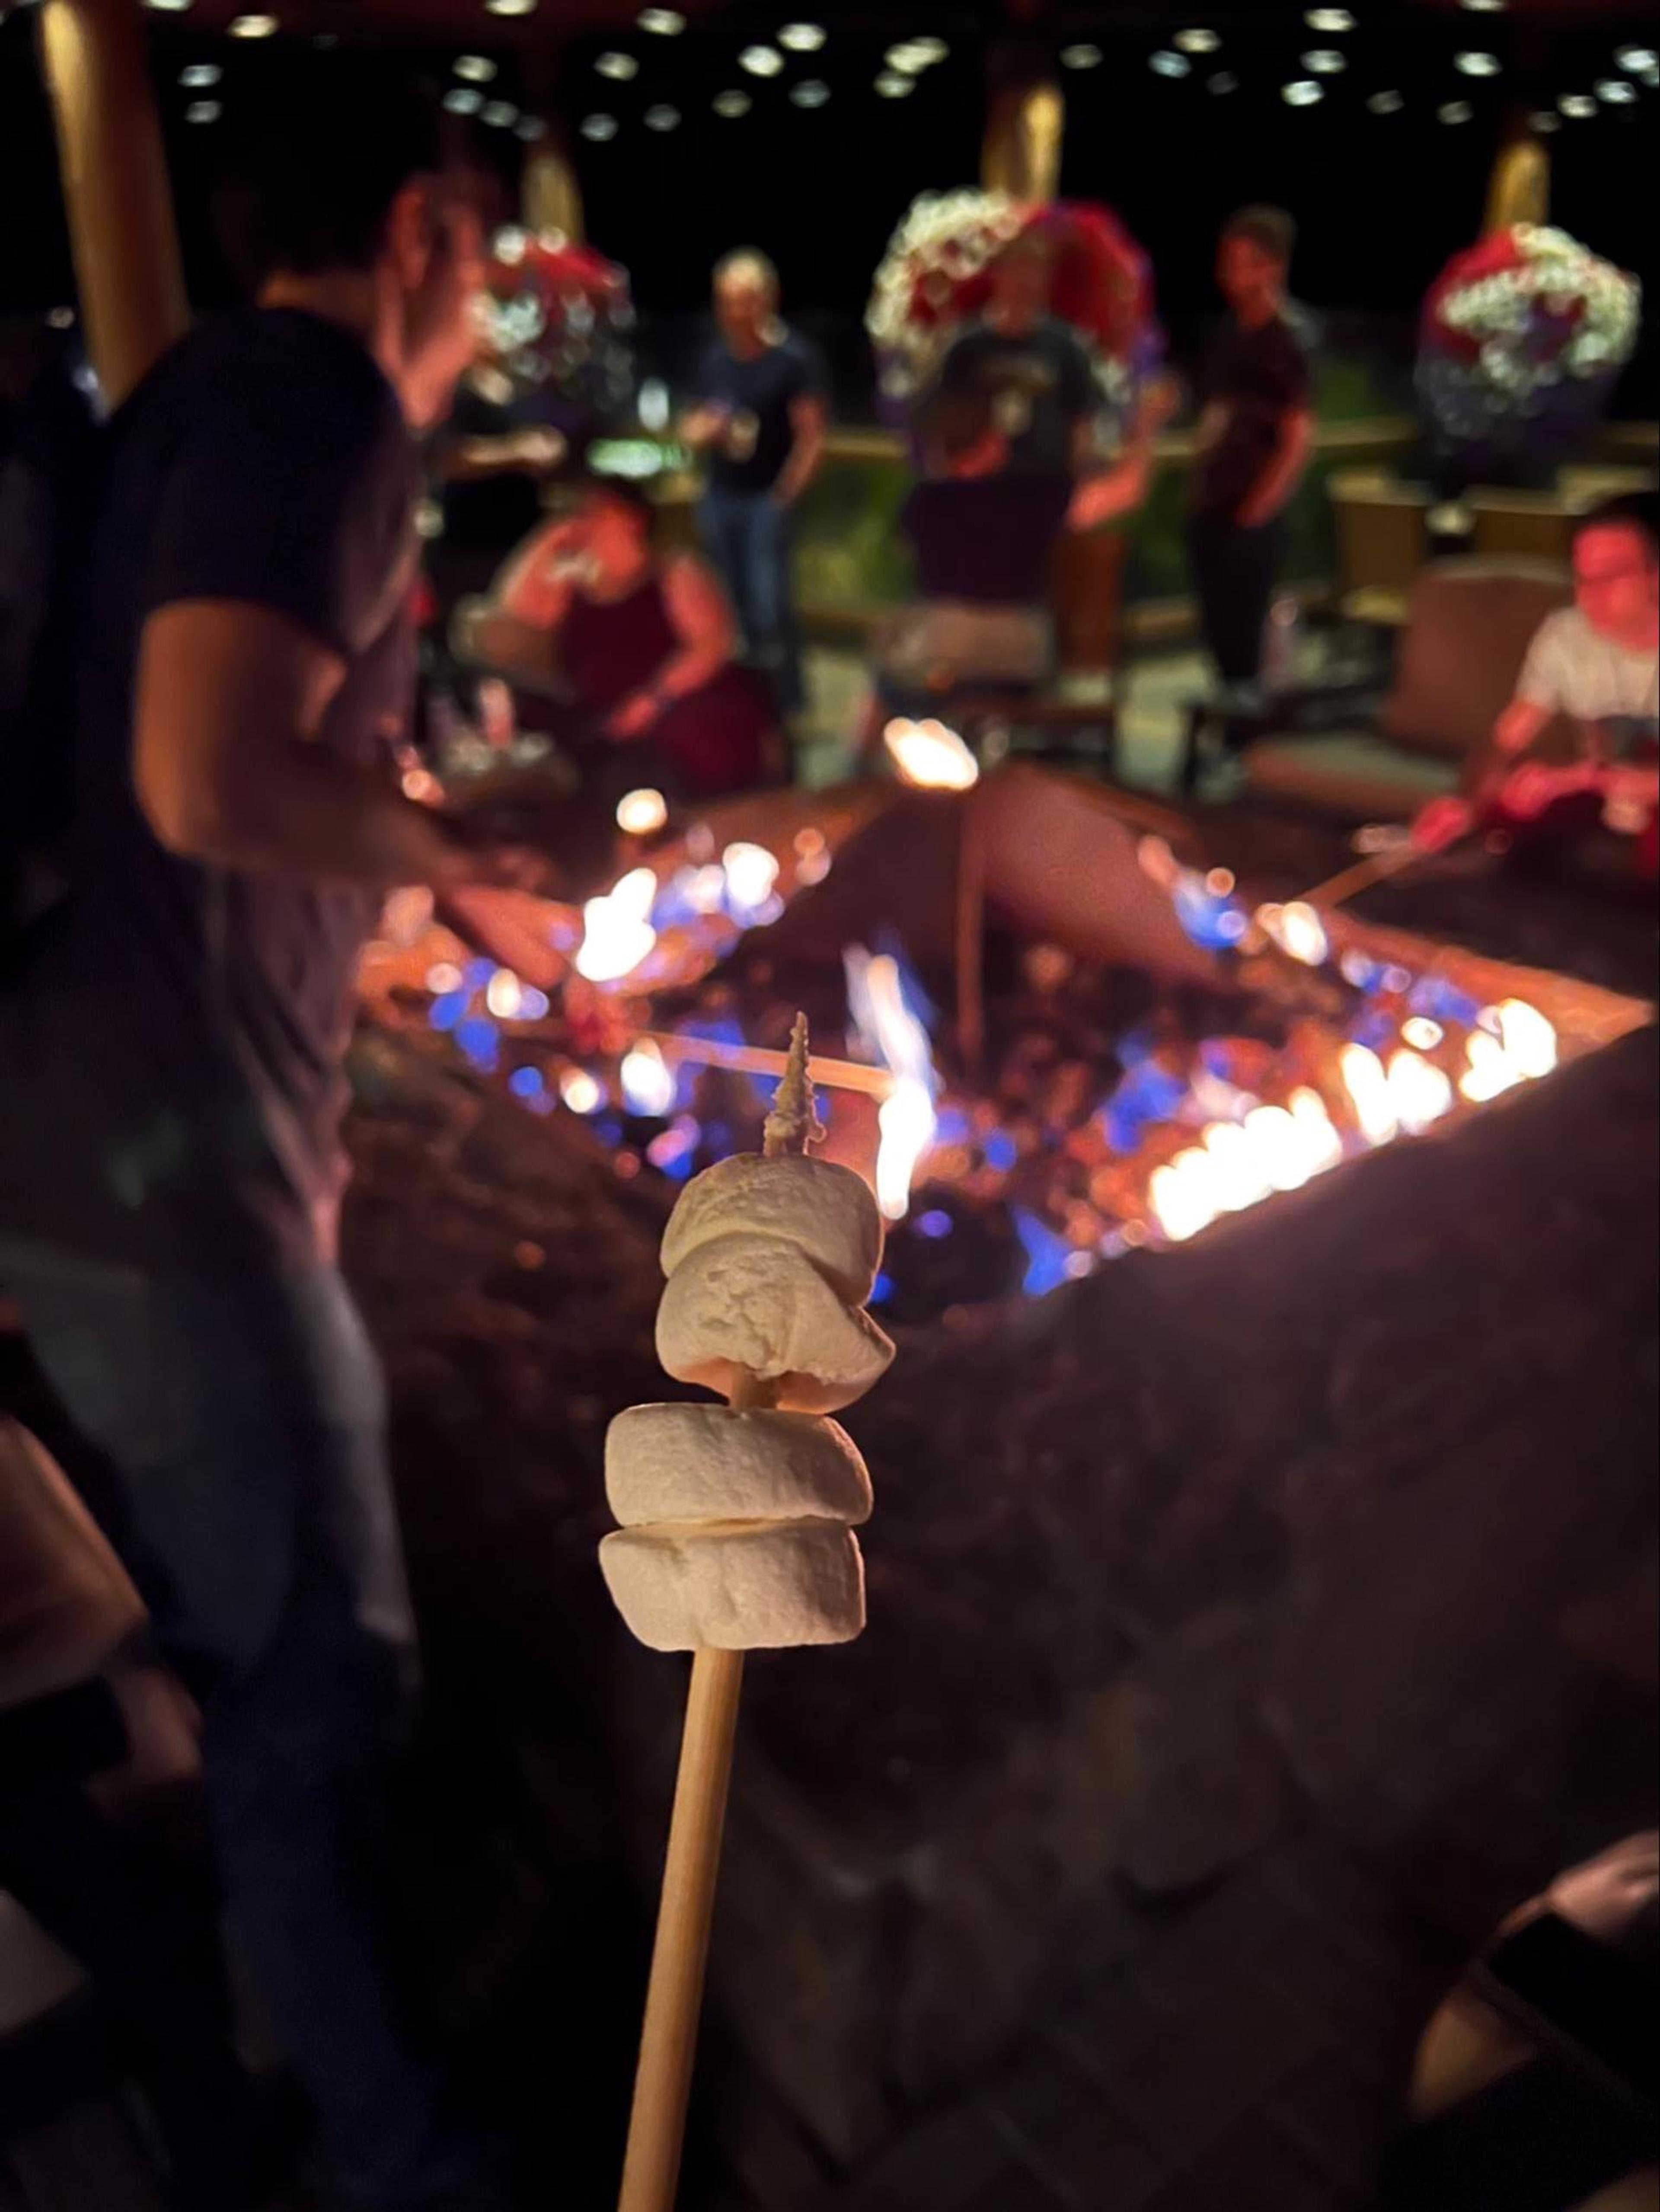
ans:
(1381, 201)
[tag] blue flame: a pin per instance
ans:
(1145, 1092)
(1047, 1255)
(478, 1037)
(444, 1013)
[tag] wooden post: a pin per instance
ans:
(1025, 118)
(1519, 190)
(127, 265)
(552, 197)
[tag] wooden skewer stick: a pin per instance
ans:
(761, 1059)
(1375, 868)
(692, 1866)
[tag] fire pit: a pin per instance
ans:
(1255, 1528)
(1054, 1038)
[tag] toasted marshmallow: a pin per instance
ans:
(743, 1586)
(710, 1463)
(745, 1306)
(823, 1209)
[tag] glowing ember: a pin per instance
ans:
(1491, 1071)
(1298, 930)
(1369, 1090)
(579, 1091)
(1241, 1177)
(1526, 1037)
(504, 995)
(648, 1080)
(930, 757)
(617, 934)
(1280, 1145)
(641, 813)
(1185, 1194)
(1419, 1091)
(1422, 1034)
(906, 1119)
(751, 872)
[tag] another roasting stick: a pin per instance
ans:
(971, 947)
(760, 1059)
(674, 1996)
(1375, 868)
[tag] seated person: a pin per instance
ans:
(983, 539)
(1596, 664)
(644, 648)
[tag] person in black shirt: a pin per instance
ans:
(170, 1164)
(984, 536)
(1031, 367)
(761, 407)
(1254, 438)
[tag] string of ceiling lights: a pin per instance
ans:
(905, 64)
(1194, 52)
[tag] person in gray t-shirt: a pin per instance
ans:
(1595, 664)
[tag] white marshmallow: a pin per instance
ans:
(826, 1211)
(756, 1306)
(743, 1586)
(709, 1462)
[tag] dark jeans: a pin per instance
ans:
(1233, 576)
(748, 537)
(244, 1414)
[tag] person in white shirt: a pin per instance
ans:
(1595, 662)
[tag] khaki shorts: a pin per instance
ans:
(943, 643)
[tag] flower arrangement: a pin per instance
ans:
(1523, 335)
(936, 275)
(557, 317)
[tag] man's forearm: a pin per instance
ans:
(806, 456)
(322, 817)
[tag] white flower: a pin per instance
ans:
(1557, 275)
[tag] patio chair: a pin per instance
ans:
(1521, 526)
(1468, 626)
(1383, 543)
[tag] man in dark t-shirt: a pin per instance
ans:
(1254, 438)
(760, 407)
(170, 1158)
(1030, 367)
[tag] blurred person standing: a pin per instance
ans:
(760, 410)
(1030, 367)
(170, 1160)
(1254, 436)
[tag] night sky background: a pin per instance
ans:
(1380, 200)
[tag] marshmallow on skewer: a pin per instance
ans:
(737, 1585)
(709, 1462)
(738, 1521)
(757, 1305)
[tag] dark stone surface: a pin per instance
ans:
(1221, 1543)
